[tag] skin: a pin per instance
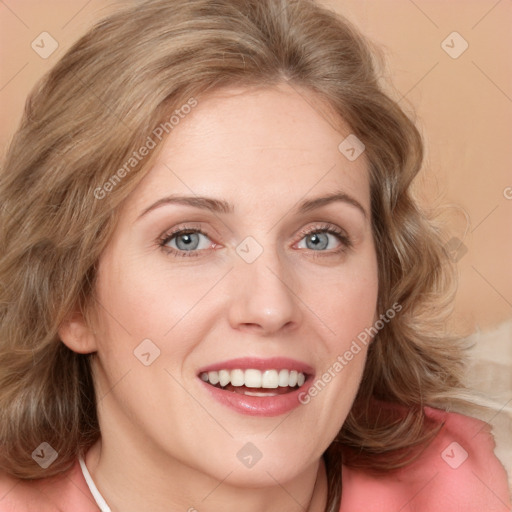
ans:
(166, 444)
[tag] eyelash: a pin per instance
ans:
(346, 243)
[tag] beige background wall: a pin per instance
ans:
(463, 106)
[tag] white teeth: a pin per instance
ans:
(283, 378)
(213, 377)
(224, 377)
(253, 393)
(237, 377)
(270, 379)
(252, 378)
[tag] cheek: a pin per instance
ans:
(345, 300)
(151, 309)
(348, 305)
(349, 316)
(146, 300)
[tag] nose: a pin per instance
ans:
(264, 298)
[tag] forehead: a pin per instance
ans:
(264, 143)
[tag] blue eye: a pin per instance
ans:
(188, 241)
(184, 242)
(319, 240)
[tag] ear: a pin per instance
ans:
(77, 335)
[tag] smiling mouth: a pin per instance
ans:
(253, 382)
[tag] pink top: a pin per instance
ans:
(457, 472)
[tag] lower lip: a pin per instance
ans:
(259, 405)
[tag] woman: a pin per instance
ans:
(218, 291)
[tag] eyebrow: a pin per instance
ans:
(221, 206)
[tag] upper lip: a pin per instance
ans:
(273, 363)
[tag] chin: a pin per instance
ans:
(260, 463)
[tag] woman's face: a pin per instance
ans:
(267, 270)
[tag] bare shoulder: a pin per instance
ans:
(17, 495)
(65, 491)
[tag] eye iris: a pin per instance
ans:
(188, 239)
(316, 241)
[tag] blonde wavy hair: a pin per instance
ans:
(97, 106)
